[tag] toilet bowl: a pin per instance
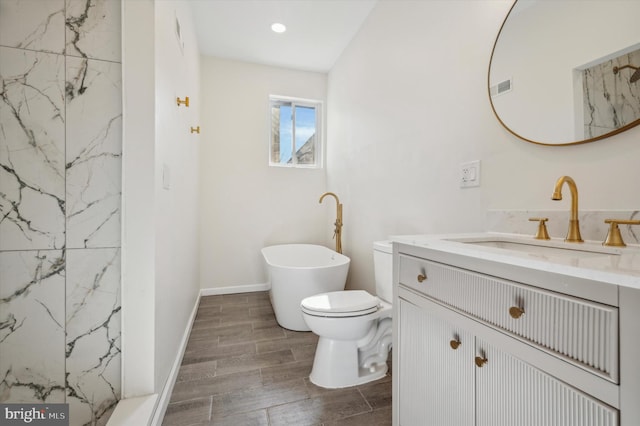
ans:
(354, 329)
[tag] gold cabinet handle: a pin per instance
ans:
(454, 344)
(184, 101)
(195, 129)
(480, 361)
(421, 277)
(516, 312)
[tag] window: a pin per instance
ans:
(295, 132)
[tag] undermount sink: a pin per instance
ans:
(541, 247)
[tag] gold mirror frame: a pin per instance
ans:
(600, 137)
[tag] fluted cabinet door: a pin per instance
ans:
(510, 392)
(436, 367)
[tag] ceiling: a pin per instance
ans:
(317, 30)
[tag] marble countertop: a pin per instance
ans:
(589, 260)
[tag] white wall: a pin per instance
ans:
(408, 102)
(177, 207)
(138, 230)
(247, 205)
(160, 226)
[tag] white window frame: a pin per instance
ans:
(319, 137)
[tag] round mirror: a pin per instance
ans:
(567, 72)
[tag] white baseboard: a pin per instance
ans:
(133, 411)
(213, 291)
(165, 396)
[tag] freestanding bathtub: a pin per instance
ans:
(297, 271)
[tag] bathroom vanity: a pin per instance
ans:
(504, 330)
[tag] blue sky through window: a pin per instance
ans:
(305, 124)
(305, 128)
(286, 134)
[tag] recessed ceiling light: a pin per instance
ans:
(278, 28)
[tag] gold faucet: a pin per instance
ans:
(542, 233)
(573, 235)
(614, 238)
(337, 233)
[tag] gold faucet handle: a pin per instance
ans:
(614, 238)
(542, 233)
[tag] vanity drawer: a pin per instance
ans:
(583, 332)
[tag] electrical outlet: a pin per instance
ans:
(470, 174)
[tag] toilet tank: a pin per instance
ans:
(383, 269)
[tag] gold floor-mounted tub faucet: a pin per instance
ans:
(573, 234)
(337, 233)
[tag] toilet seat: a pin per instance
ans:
(340, 304)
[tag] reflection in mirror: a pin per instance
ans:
(565, 72)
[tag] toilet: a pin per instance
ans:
(354, 328)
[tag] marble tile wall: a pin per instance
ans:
(60, 191)
(611, 101)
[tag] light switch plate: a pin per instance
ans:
(470, 174)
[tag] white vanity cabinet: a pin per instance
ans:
(479, 344)
(434, 348)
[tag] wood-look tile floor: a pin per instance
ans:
(241, 368)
